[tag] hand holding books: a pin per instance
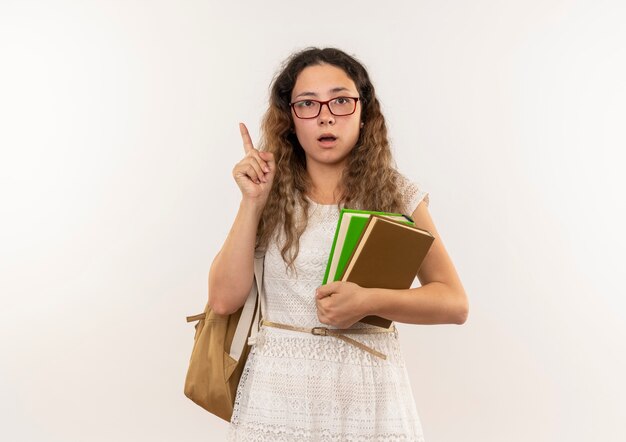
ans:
(341, 304)
(386, 254)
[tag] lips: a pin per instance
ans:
(327, 137)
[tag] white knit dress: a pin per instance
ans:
(302, 387)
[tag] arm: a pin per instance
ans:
(433, 303)
(232, 271)
(440, 300)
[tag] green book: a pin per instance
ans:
(349, 229)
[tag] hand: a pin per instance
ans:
(254, 174)
(341, 304)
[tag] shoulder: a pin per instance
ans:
(412, 193)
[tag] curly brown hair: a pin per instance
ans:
(371, 156)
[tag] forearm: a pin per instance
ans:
(232, 272)
(433, 303)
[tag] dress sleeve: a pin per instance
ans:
(412, 194)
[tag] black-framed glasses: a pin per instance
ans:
(338, 106)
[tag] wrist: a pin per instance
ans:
(369, 306)
(252, 206)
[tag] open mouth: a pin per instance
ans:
(327, 138)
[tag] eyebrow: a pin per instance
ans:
(313, 94)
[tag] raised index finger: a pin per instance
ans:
(245, 136)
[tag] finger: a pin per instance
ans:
(253, 163)
(268, 161)
(325, 290)
(245, 136)
(249, 168)
(263, 165)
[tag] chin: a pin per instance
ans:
(329, 156)
(331, 160)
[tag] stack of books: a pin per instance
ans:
(377, 250)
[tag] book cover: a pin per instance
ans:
(388, 256)
(349, 228)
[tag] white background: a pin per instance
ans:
(118, 134)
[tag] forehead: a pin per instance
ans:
(321, 79)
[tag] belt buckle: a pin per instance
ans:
(319, 331)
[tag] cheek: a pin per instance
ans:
(303, 132)
(355, 123)
(356, 129)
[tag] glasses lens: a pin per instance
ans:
(342, 105)
(338, 106)
(306, 108)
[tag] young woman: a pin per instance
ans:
(324, 146)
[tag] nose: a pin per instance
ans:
(325, 115)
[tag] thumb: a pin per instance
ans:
(268, 157)
(325, 290)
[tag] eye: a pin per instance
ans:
(304, 103)
(342, 100)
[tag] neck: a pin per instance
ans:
(325, 183)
